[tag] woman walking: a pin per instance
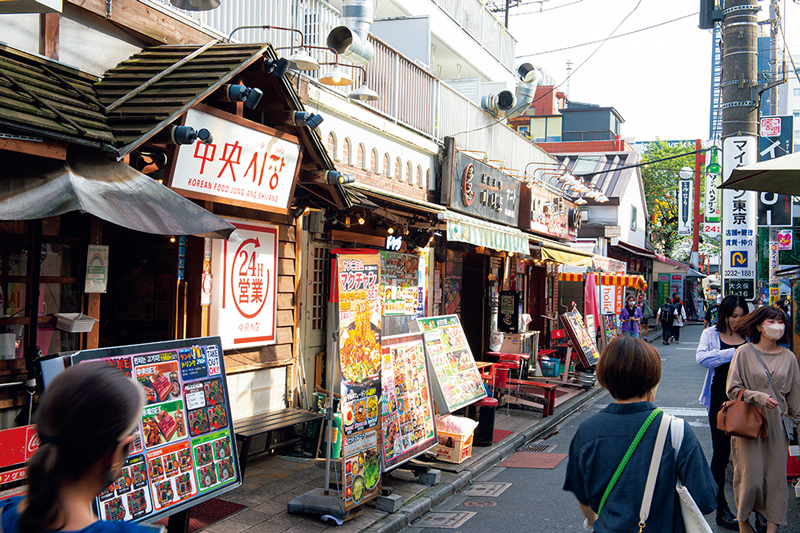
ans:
(631, 316)
(759, 465)
(630, 370)
(716, 349)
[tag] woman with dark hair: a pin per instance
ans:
(715, 352)
(85, 422)
(630, 370)
(759, 465)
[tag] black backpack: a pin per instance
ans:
(666, 312)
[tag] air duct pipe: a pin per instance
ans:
(498, 104)
(507, 105)
(350, 40)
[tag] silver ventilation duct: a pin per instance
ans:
(504, 104)
(350, 40)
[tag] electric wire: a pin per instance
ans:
(644, 163)
(542, 10)
(788, 51)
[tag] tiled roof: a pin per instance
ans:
(152, 88)
(39, 96)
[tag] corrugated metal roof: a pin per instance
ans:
(48, 98)
(152, 88)
(607, 172)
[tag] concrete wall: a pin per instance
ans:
(258, 391)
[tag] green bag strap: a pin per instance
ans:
(627, 457)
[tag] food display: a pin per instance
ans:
(183, 447)
(456, 380)
(399, 283)
(582, 342)
(360, 347)
(406, 407)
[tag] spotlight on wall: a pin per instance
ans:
(188, 135)
(301, 118)
(239, 93)
(276, 67)
(331, 217)
(300, 210)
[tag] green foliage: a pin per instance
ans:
(660, 191)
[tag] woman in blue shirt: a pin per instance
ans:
(630, 369)
(715, 351)
(630, 317)
(85, 421)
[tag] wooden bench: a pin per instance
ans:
(247, 428)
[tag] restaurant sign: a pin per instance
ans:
(547, 213)
(247, 164)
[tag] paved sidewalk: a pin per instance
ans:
(271, 481)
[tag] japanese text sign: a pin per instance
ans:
(244, 164)
(685, 203)
(776, 140)
(738, 214)
(244, 302)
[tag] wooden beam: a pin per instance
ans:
(45, 148)
(93, 303)
(49, 26)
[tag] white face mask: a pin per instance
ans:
(773, 331)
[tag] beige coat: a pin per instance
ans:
(759, 465)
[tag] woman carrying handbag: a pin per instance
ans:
(767, 375)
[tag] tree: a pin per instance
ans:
(660, 180)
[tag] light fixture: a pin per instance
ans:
(510, 254)
(592, 194)
(390, 230)
(360, 220)
(172, 239)
(195, 5)
(336, 78)
(602, 198)
(276, 67)
(301, 210)
(188, 135)
(364, 94)
(302, 60)
(239, 93)
(575, 186)
(580, 201)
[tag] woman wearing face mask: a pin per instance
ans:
(715, 352)
(759, 465)
(630, 317)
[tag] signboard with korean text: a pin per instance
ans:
(685, 207)
(476, 188)
(739, 217)
(183, 452)
(407, 410)
(247, 164)
(244, 298)
(455, 379)
(356, 282)
(547, 213)
(776, 140)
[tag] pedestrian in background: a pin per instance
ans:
(647, 314)
(759, 465)
(630, 370)
(665, 317)
(680, 318)
(715, 351)
(630, 317)
(85, 421)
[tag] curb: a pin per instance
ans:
(433, 496)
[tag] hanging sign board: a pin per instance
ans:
(456, 380)
(183, 451)
(96, 269)
(399, 283)
(582, 342)
(406, 403)
(776, 139)
(244, 301)
(357, 286)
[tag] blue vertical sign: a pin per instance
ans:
(776, 140)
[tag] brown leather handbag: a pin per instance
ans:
(741, 419)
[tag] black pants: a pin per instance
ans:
(721, 453)
(666, 329)
(676, 332)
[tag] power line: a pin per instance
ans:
(543, 10)
(609, 38)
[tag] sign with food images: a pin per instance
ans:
(183, 451)
(583, 343)
(406, 404)
(356, 292)
(399, 283)
(456, 381)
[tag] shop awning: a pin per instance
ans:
(390, 197)
(779, 175)
(692, 273)
(481, 233)
(553, 251)
(618, 280)
(34, 188)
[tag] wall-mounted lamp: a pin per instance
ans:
(239, 93)
(295, 118)
(276, 67)
(300, 211)
(335, 77)
(188, 135)
(361, 220)
(363, 93)
(195, 5)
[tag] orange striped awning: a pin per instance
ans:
(619, 280)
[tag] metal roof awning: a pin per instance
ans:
(482, 233)
(35, 188)
(559, 253)
(692, 273)
(397, 199)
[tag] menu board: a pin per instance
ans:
(183, 450)
(406, 403)
(582, 342)
(456, 380)
(609, 327)
(399, 283)
(357, 285)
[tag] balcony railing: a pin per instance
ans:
(482, 24)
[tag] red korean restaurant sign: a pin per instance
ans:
(247, 164)
(244, 297)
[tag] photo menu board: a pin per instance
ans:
(399, 283)
(582, 342)
(406, 403)
(183, 451)
(456, 380)
(355, 279)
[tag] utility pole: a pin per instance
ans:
(740, 144)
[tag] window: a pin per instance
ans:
(796, 113)
(419, 176)
(428, 179)
(409, 175)
(796, 92)
(360, 156)
(332, 145)
(386, 165)
(373, 161)
(398, 169)
(523, 129)
(346, 151)
(633, 218)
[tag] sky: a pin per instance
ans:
(657, 79)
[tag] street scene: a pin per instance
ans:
(399, 265)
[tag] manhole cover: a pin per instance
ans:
(443, 519)
(538, 447)
(480, 503)
(483, 489)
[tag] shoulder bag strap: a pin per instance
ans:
(655, 463)
(766, 371)
(626, 458)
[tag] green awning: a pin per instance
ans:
(482, 233)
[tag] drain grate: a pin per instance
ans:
(480, 503)
(538, 447)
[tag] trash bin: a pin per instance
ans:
(484, 433)
(500, 375)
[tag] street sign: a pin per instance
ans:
(741, 287)
(776, 140)
(685, 214)
(739, 215)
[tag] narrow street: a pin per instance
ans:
(531, 500)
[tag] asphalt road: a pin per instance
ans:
(533, 500)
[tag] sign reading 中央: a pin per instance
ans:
(244, 302)
(251, 164)
(685, 214)
(739, 219)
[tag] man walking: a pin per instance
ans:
(666, 317)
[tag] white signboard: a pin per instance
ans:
(712, 229)
(739, 215)
(685, 204)
(96, 269)
(243, 301)
(712, 211)
(676, 285)
(244, 164)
